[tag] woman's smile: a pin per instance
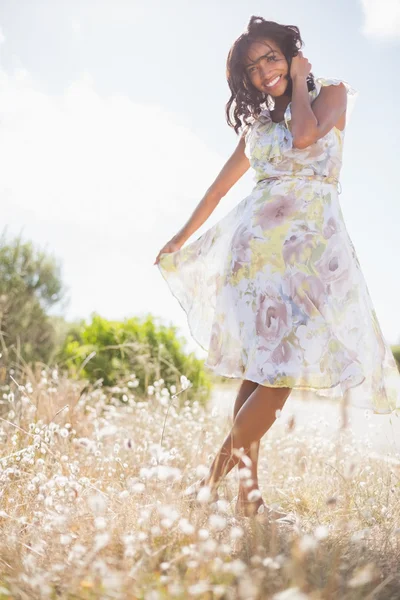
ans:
(272, 82)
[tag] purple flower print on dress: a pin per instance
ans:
(276, 211)
(284, 360)
(307, 291)
(283, 354)
(335, 266)
(241, 250)
(273, 319)
(215, 355)
(295, 246)
(330, 228)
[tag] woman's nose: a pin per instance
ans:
(264, 72)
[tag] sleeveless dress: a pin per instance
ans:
(274, 291)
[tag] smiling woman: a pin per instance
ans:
(274, 291)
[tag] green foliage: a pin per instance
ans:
(396, 354)
(112, 350)
(30, 285)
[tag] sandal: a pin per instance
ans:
(289, 518)
(265, 512)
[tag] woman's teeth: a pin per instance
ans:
(273, 82)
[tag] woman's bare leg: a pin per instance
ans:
(244, 391)
(246, 388)
(252, 421)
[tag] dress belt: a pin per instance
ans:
(321, 178)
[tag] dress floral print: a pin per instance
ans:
(274, 291)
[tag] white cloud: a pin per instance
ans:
(104, 182)
(381, 19)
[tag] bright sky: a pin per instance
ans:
(112, 128)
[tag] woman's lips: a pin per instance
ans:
(274, 82)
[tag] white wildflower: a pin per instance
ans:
(321, 532)
(77, 551)
(138, 487)
(204, 494)
(97, 503)
(166, 523)
(100, 523)
(152, 595)
(65, 539)
(203, 534)
(175, 589)
(199, 588)
(101, 540)
(236, 533)
(293, 593)
(307, 543)
(185, 383)
(271, 563)
(362, 575)
(222, 506)
(201, 470)
(237, 567)
(217, 522)
(244, 473)
(186, 527)
(254, 495)
(209, 546)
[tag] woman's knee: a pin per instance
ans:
(261, 411)
(246, 388)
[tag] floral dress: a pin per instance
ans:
(274, 291)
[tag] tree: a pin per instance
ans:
(30, 285)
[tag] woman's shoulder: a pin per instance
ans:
(352, 93)
(321, 82)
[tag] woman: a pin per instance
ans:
(274, 291)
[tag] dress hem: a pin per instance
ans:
(243, 376)
(388, 411)
(181, 305)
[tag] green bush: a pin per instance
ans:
(396, 354)
(30, 285)
(112, 350)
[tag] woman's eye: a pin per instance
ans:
(269, 58)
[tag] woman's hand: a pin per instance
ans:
(300, 67)
(172, 246)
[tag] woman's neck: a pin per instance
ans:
(281, 103)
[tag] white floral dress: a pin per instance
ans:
(274, 291)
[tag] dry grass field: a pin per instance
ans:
(91, 503)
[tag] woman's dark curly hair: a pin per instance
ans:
(245, 98)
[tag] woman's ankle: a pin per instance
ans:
(244, 492)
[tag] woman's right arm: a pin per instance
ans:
(236, 166)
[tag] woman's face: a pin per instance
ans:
(267, 67)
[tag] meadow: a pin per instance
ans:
(91, 502)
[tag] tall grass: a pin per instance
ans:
(91, 502)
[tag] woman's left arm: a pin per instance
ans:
(312, 121)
